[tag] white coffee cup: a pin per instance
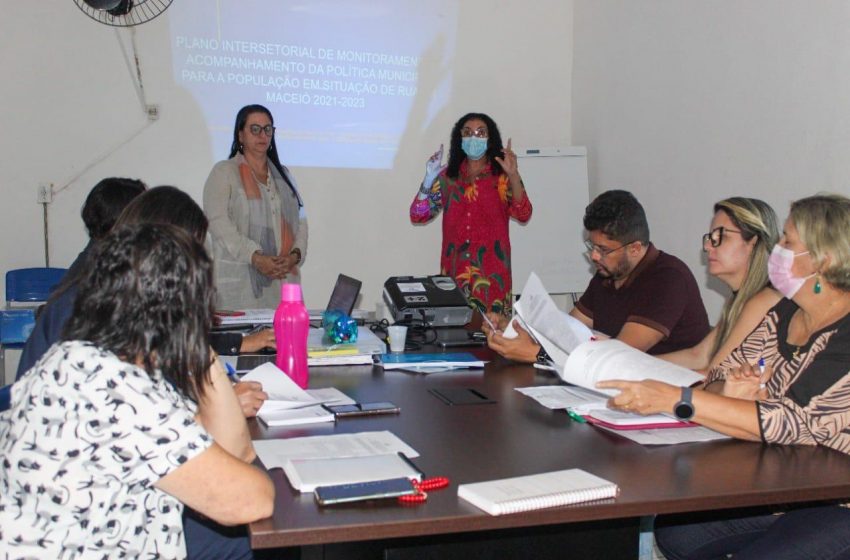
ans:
(398, 335)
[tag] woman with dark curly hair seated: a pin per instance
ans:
(130, 416)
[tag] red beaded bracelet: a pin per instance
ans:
(434, 483)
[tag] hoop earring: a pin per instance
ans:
(817, 288)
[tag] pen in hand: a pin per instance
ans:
(762, 383)
(231, 373)
(489, 322)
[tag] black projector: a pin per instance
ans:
(435, 300)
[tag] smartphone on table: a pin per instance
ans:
(362, 409)
(342, 493)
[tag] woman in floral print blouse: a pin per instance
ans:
(479, 191)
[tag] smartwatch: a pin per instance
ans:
(684, 409)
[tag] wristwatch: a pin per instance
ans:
(297, 252)
(543, 356)
(684, 409)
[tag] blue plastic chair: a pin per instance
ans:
(15, 327)
(5, 397)
(25, 289)
(28, 285)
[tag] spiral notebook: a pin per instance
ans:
(537, 491)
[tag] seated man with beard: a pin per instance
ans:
(639, 295)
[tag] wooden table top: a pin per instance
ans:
(517, 436)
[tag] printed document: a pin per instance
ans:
(283, 392)
(664, 436)
(603, 360)
(558, 397)
(276, 452)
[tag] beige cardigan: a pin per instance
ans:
(226, 207)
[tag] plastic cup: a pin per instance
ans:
(398, 336)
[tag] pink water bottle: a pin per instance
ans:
(291, 327)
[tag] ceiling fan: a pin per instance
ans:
(122, 13)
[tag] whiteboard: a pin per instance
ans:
(551, 243)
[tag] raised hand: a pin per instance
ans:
(508, 161)
(433, 167)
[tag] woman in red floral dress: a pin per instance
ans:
(479, 191)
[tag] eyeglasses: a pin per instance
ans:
(603, 251)
(478, 132)
(257, 129)
(715, 236)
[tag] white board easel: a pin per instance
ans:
(551, 243)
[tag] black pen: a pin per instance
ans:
(412, 465)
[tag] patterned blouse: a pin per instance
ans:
(84, 441)
(476, 248)
(809, 393)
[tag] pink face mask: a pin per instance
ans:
(779, 270)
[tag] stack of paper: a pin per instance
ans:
(333, 456)
(246, 317)
(295, 416)
(322, 352)
(617, 420)
(305, 474)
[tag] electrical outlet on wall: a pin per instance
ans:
(45, 193)
(152, 111)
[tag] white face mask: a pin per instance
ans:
(779, 271)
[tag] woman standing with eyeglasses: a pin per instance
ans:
(257, 220)
(742, 235)
(479, 191)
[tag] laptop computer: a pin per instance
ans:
(343, 297)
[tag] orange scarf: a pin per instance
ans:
(252, 192)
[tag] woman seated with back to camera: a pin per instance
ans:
(742, 235)
(802, 396)
(170, 206)
(101, 446)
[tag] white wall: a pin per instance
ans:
(685, 102)
(67, 101)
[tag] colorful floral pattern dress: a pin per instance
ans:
(476, 249)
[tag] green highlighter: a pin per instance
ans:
(576, 417)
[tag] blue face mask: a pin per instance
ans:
(473, 147)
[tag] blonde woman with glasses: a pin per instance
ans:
(742, 234)
(787, 383)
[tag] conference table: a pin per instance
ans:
(516, 436)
